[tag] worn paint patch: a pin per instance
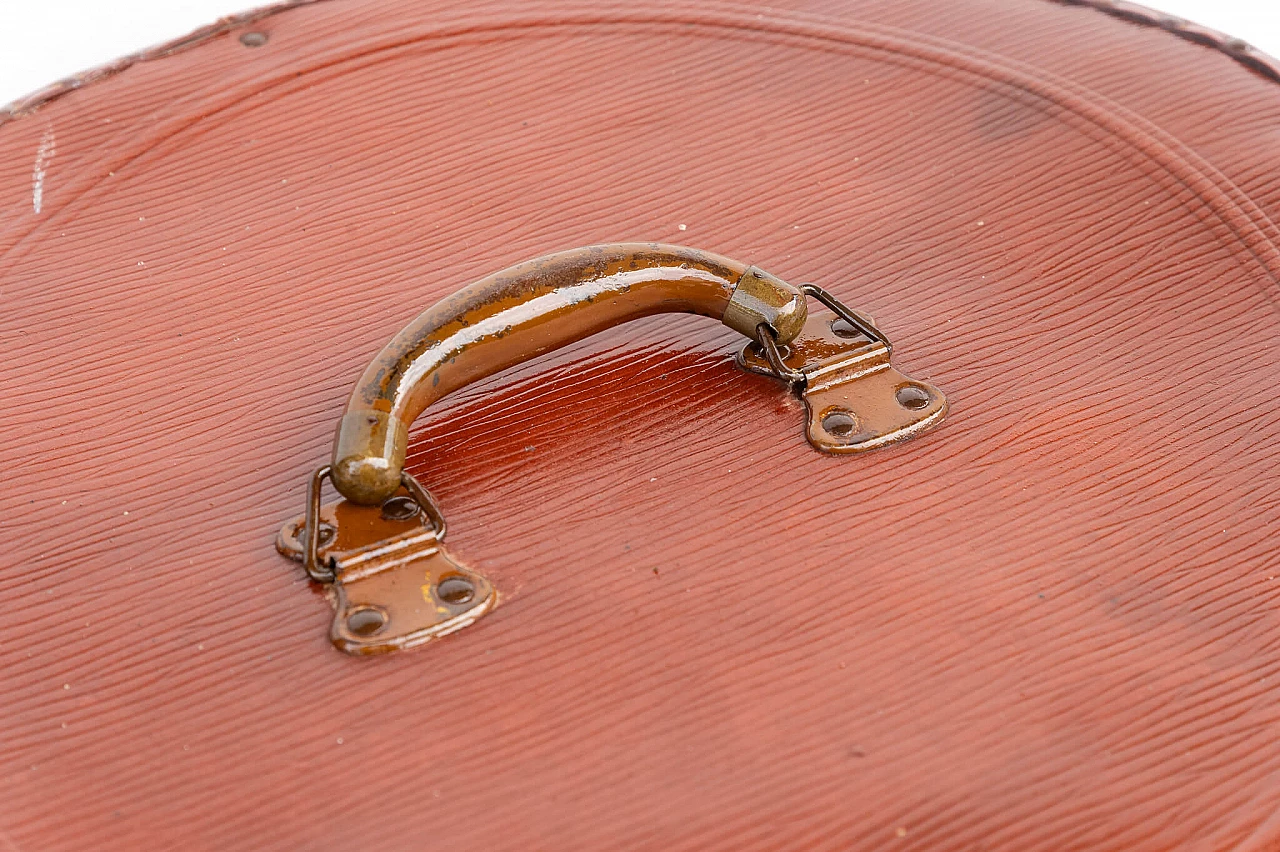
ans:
(44, 155)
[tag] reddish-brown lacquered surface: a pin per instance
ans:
(1051, 624)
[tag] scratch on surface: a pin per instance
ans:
(44, 154)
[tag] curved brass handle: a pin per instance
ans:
(524, 311)
(382, 548)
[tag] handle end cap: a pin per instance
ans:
(368, 456)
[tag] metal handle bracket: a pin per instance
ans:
(395, 586)
(840, 365)
(381, 552)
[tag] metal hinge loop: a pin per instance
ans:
(767, 337)
(325, 573)
(841, 310)
(767, 340)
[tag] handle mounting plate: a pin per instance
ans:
(394, 584)
(856, 399)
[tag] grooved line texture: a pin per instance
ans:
(1236, 48)
(1050, 625)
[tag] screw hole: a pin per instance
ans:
(399, 509)
(327, 532)
(913, 397)
(455, 590)
(254, 39)
(366, 621)
(839, 423)
(841, 328)
(784, 351)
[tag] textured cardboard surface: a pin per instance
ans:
(1050, 624)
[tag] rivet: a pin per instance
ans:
(254, 39)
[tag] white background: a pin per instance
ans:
(45, 40)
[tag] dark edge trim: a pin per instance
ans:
(1239, 50)
(31, 103)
